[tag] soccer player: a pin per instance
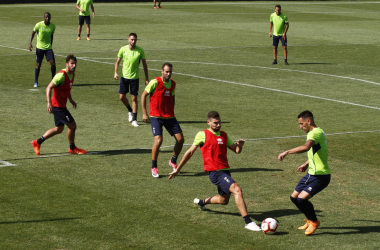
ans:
(280, 23)
(132, 56)
(162, 99)
(45, 31)
(84, 14)
(61, 87)
(159, 4)
(213, 144)
(318, 176)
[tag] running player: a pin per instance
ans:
(61, 87)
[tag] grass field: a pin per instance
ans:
(222, 57)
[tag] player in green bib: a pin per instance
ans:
(45, 31)
(318, 176)
(280, 24)
(129, 81)
(84, 14)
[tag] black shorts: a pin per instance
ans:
(40, 53)
(82, 18)
(223, 180)
(171, 125)
(126, 84)
(276, 40)
(62, 116)
(313, 184)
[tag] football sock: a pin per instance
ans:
(40, 140)
(202, 203)
(154, 163)
(307, 208)
(72, 146)
(36, 74)
(78, 35)
(286, 60)
(247, 219)
(134, 117)
(174, 159)
(88, 35)
(53, 71)
(294, 200)
(129, 108)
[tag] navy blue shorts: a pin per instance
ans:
(82, 18)
(313, 184)
(171, 125)
(40, 53)
(276, 40)
(62, 116)
(223, 180)
(126, 84)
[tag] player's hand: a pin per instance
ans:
(282, 155)
(146, 118)
(270, 34)
(73, 103)
(240, 143)
(49, 108)
(93, 14)
(30, 47)
(116, 76)
(173, 174)
(284, 36)
(302, 168)
(146, 82)
(81, 10)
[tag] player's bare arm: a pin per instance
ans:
(72, 101)
(78, 7)
(297, 150)
(303, 167)
(116, 76)
(186, 157)
(145, 71)
(237, 147)
(30, 40)
(270, 29)
(48, 96)
(93, 11)
(143, 106)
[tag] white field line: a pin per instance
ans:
(8, 164)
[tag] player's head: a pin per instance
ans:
(306, 121)
(47, 18)
(132, 39)
(213, 120)
(277, 8)
(166, 71)
(71, 63)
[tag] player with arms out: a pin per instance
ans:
(45, 31)
(318, 177)
(162, 100)
(213, 144)
(61, 87)
(84, 14)
(129, 81)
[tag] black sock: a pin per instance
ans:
(134, 117)
(174, 159)
(275, 60)
(36, 74)
(286, 60)
(53, 71)
(72, 146)
(129, 108)
(40, 140)
(78, 35)
(202, 203)
(247, 219)
(307, 208)
(154, 163)
(294, 200)
(88, 35)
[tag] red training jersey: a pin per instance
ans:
(62, 92)
(214, 151)
(161, 103)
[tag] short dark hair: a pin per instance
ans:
(47, 13)
(167, 64)
(132, 34)
(278, 6)
(212, 115)
(71, 57)
(306, 114)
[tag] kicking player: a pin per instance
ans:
(162, 100)
(213, 144)
(61, 87)
(318, 177)
(45, 31)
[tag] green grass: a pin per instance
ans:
(222, 58)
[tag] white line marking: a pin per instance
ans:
(6, 164)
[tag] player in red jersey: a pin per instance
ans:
(61, 87)
(213, 144)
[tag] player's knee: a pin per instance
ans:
(236, 189)
(224, 201)
(59, 129)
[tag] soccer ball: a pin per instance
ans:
(269, 226)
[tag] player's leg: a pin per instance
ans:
(157, 136)
(134, 90)
(80, 22)
(275, 42)
(88, 32)
(159, 4)
(173, 128)
(154, 4)
(284, 43)
(39, 57)
(50, 58)
(73, 149)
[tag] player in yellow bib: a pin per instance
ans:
(45, 31)
(318, 176)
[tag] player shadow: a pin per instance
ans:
(108, 39)
(191, 174)
(38, 221)
(314, 63)
(96, 84)
(190, 122)
(354, 229)
(125, 152)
